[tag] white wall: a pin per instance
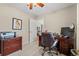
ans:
(61, 18)
(77, 27)
(6, 15)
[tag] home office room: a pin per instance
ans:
(39, 29)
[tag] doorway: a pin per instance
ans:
(33, 28)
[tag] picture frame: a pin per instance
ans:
(16, 24)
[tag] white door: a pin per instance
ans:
(33, 24)
(33, 30)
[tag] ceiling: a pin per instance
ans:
(37, 11)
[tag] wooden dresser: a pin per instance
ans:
(65, 44)
(11, 45)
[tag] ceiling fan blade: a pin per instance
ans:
(40, 4)
(30, 6)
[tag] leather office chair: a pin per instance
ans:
(48, 43)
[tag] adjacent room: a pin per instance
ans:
(39, 29)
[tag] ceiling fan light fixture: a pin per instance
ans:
(40, 4)
(31, 5)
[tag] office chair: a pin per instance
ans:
(49, 44)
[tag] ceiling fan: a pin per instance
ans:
(31, 5)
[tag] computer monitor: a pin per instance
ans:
(66, 31)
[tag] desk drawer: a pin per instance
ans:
(11, 42)
(11, 49)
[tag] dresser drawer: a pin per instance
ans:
(11, 49)
(11, 42)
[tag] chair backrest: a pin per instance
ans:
(47, 40)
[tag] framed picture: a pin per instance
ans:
(16, 24)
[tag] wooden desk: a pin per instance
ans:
(65, 45)
(11, 45)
